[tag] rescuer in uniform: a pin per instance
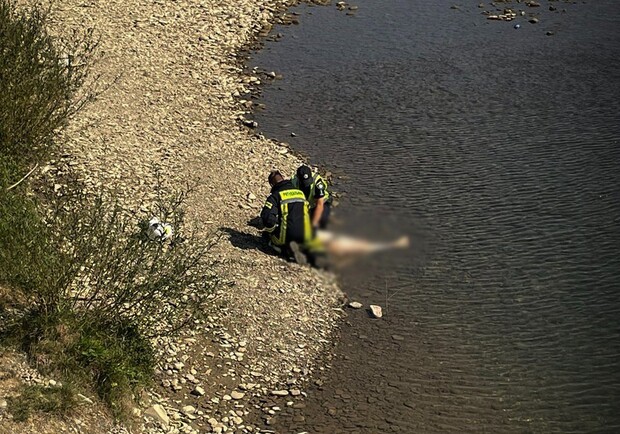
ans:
(286, 218)
(319, 200)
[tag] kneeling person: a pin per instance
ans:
(285, 216)
(314, 188)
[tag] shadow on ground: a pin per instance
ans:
(248, 241)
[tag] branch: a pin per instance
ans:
(25, 176)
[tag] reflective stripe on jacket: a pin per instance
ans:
(286, 215)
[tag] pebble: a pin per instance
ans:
(237, 395)
(355, 305)
(279, 392)
(189, 409)
(198, 391)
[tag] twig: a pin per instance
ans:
(25, 176)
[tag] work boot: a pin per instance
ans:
(299, 256)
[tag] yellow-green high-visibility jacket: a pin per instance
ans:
(317, 190)
(286, 216)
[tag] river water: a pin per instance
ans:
(498, 150)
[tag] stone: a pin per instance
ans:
(158, 413)
(376, 311)
(355, 305)
(198, 391)
(398, 338)
(279, 392)
(237, 395)
(189, 409)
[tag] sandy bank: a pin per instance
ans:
(176, 105)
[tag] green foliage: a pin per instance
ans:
(96, 287)
(118, 358)
(41, 399)
(82, 287)
(26, 259)
(40, 78)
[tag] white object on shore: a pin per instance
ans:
(158, 230)
(355, 305)
(376, 311)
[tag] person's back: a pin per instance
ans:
(285, 215)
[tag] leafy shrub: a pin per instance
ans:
(40, 82)
(82, 288)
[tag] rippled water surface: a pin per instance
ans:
(499, 149)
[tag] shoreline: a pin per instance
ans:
(175, 106)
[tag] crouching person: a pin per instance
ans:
(286, 219)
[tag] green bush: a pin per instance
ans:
(40, 82)
(119, 359)
(82, 288)
(95, 288)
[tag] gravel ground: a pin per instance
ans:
(177, 101)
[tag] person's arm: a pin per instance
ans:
(319, 194)
(269, 214)
(318, 212)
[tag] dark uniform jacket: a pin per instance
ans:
(285, 215)
(316, 190)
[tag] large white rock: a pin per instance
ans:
(158, 413)
(376, 311)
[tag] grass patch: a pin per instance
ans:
(35, 398)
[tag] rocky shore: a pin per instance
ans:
(177, 101)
